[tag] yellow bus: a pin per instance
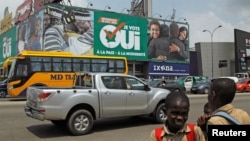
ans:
(56, 69)
(4, 69)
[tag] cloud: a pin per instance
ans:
(209, 21)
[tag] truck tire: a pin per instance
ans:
(80, 122)
(160, 113)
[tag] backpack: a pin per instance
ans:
(190, 135)
(227, 116)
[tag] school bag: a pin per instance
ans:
(190, 135)
(227, 116)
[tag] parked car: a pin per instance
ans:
(189, 81)
(201, 87)
(243, 85)
(3, 88)
(169, 85)
(234, 78)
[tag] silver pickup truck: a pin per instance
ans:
(95, 96)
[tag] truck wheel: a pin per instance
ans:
(80, 122)
(3, 94)
(160, 113)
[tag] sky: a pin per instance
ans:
(201, 15)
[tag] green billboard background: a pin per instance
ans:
(120, 35)
(7, 44)
(90, 32)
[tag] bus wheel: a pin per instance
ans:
(3, 94)
(80, 122)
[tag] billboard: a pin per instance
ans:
(7, 44)
(168, 41)
(168, 69)
(84, 31)
(120, 35)
(242, 51)
(6, 23)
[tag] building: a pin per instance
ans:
(223, 59)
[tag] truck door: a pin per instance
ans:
(188, 83)
(113, 97)
(137, 96)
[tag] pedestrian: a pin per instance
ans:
(220, 97)
(202, 120)
(176, 127)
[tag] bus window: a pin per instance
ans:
(21, 70)
(47, 64)
(57, 65)
(76, 65)
(66, 64)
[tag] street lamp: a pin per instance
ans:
(107, 7)
(169, 16)
(182, 18)
(157, 14)
(125, 9)
(89, 4)
(212, 57)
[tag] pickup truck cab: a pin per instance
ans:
(95, 96)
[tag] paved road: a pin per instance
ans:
(16, 126)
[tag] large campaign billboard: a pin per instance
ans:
(120, 35)
(7, 45)
(84, 31)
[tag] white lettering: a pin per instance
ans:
(6, 47)
(113, 38)
(216, 132)
(163, 68)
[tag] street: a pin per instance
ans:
(16, 126)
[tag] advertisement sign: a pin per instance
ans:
(168, 41)
(23, 11)
(6, 23)
(168, 69)
(120, 35)
(242, 50)
(38, 4)
(7, 45)
(29, 33)
(90, 32)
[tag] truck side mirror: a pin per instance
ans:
(147, 88)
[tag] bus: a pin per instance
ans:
(56, 69)
(4, 69)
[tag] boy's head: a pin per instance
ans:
(177, 109)
(221, 92)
